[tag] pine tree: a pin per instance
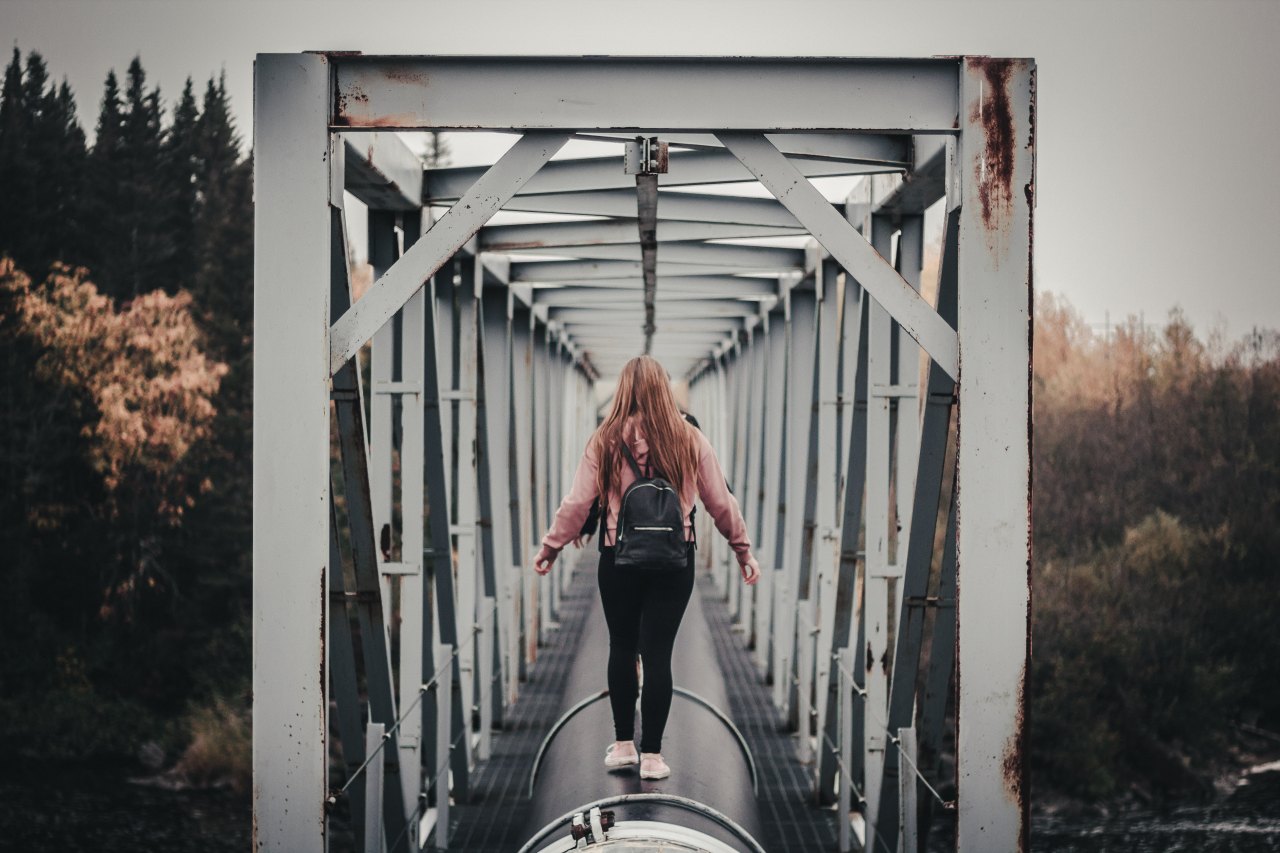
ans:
(106, 175)
(179, 164)
(56, 160)
(67, 178)
(221, 523)
(223, 285)
(141, 198)
(15, 172)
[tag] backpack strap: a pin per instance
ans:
(631, 460)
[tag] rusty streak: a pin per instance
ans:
(994, 113)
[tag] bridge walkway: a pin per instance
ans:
(498, 814)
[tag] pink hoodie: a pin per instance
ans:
(710, 486)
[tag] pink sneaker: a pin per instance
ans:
(621, 755)
(653, 767)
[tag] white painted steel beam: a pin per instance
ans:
(605, 173)
(292, 158)
(661, 94)
(882, 148)
(693, 252)
(685, 309)
(555, 272)
(445, 237)
(749, 286)
(839, 238)
(613, 297)
(382, 172)
(552, 235)
(686, 207)
(993, 541)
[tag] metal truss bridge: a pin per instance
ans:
(412, 444)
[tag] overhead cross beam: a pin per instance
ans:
(691, 207)
(695, 252)
(628, 94)
(602, 173)
(547, 236)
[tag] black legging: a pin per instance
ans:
(643, 611)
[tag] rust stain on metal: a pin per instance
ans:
(1013, 763)
(324, 625)
(513, 245)
(401, 74)
(344, 100)
(994, 112)
(391, 121)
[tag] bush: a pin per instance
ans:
(221, 750)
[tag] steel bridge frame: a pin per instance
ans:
(801, 365)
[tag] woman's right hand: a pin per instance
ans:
(750, 571)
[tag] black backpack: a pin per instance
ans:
(650, 524)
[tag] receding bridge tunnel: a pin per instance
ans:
(831, 258)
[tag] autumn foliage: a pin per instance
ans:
(1157, 554)
(142, 368)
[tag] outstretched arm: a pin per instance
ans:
(572, 512)
(723, 508)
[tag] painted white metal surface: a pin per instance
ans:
(994, 502)
(645, 93)
(291, 450)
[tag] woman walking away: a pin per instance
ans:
(647, 464)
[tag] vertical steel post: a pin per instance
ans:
(803, 328)
(997, 114)
(845, 781)
(412, 599)
(487, 675)
(348, 403)
(825, 556)
(373, 787)
(383, 252)
(467, 526)
(850, 586)
(878, 566)
(919, 541)
(771, 511)
(496, 425)
(907, 791)
(444, 729)
(910, 260)
(292, 187)
(343, 680)
(522, 327)
(437, 358)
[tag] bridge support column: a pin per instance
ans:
(292, 187)
(996, 177)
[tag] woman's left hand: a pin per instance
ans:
(750, 571)
(544, 561)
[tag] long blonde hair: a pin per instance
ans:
(644, 390)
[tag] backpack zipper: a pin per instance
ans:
(623, 508)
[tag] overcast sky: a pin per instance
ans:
(1158, 121)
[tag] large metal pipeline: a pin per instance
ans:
(708, 803)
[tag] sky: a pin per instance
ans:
(1157, 119)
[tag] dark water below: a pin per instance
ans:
(95, 808)
(74, 808)
(1246, 821)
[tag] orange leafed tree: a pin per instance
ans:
(142, 366)
(141, 385)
